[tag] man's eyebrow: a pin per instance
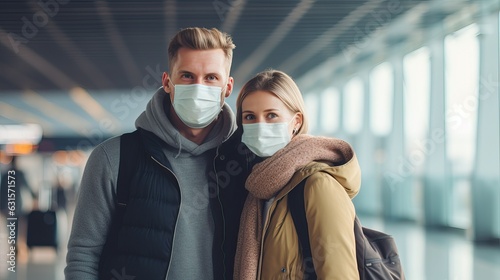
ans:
(214, 74)
(208, 74)
(185, 72)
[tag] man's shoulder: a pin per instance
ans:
(108, 149)
(112, 142)
(109, 144)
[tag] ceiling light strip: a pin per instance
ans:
(39, 63)
(74, 52)
(331, 34)
(21, 116)
(71, 120)
(83, 98)
(232, 16)
(116, 40)
(261, 52)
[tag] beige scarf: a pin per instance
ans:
(267, 179)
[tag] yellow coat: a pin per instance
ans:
(330, 215)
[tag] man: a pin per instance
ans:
(172, 224)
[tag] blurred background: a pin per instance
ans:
(413, 85)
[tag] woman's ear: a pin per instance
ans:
(298, 121)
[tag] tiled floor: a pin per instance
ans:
(426, 255)
(445, 254)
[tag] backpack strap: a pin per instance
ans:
(130, 146)
(297, 208)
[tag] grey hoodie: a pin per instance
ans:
(192, 247)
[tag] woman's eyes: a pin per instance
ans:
(252, 117)
(249, 117)
(272, 116)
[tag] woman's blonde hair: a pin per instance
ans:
(199, 38)
(281, 85)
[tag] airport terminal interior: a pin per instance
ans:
(412, 85)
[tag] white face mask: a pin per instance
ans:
(197, 105)
(265, 139)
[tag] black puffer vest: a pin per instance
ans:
(139, 242)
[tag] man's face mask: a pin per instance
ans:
(197, 105)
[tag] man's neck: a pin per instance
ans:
(196, 135)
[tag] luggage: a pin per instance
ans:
(42, 229)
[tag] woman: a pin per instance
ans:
(270, 109)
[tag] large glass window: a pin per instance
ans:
(353, 106)
(330, 110)
(462, 80)
(381, 99)
(416, 67)
(311, 102)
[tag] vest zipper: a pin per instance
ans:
(222, 214)
(177, 218)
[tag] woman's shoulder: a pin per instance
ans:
(323, 176)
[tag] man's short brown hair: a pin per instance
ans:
(199, 38)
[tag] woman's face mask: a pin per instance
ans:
(197, 105)
(265, 139)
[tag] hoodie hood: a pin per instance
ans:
(155, 120)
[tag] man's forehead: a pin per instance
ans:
(207, 61)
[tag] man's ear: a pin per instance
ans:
(229, 86)
(167, 84)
